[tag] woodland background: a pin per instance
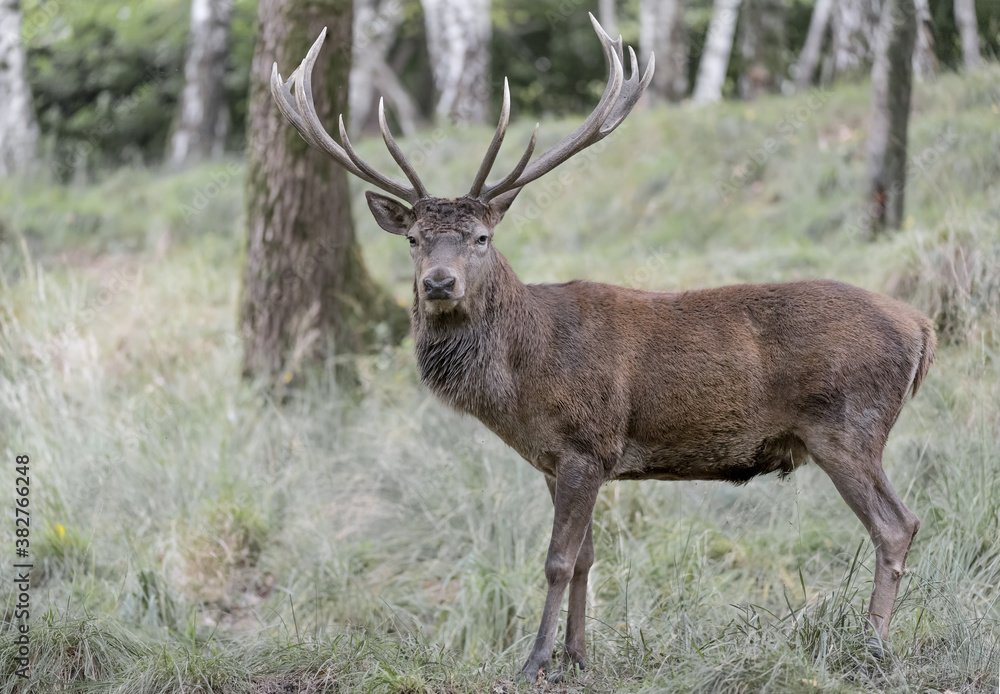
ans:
(119, 68)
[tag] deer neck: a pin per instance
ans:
(465, 356)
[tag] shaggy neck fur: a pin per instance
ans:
(465, 356)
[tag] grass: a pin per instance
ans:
(189, 534)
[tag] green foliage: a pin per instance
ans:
(549, 55)
(106, 78)
(947, 42)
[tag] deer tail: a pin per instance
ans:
(928, 343)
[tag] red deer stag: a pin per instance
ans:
(592, 383)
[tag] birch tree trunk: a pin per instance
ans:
(891, 86)
(376, 24)
(924, 60)
(458, 39)
(305, 285)
(968, 29)
(204, 119)
(715, 57)
(762, 47)
(855, 25)
(813, 48)
(607, 16)
(18, 130)
(846, 32)
(663, 32)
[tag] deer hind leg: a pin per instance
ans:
(576, 639)
(891, 525)
(575, 651)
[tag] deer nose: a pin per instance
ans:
(438, 288)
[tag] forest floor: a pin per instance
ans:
(190, 534)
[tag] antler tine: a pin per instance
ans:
(491, 153)
(504, 183)
(306, 120)
(396, 152)
(281, 92)
(614, 45)
(617, 101)
(579, 138)
(371, 175)
(631, 91)
(307, 107)
(299, 109)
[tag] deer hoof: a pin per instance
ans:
(557, 676)
(567, 669)
(876, 648)
(532, 674)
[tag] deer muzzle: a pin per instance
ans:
(442, 286)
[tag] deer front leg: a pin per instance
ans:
(574, 654)
(576, 635)
(576, 488)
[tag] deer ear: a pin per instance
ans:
(391, 215)
(499, 205)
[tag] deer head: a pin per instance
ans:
(451, 240)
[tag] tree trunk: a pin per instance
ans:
(813, 48)
(762, 48)
(924, 60)
(607, 16)
(715, 56)
(458, 39)
(204, 118)
(305, 284)
(376, 23)
(892, 76)
(18, 130)
(855, 25)
(968, 29)
(663, 32)
(847, 53)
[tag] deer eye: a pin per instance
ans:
(413, 241)
(482, 240)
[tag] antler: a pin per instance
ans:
(300, 110)
(620, 96)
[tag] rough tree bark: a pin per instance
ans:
(968, 29)
(203, 119)
(663, 32)
(18, 130)
(762, 48)
(892, 77)
(458, 39)
(305, 286)
(715, 56)
(813, 48)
